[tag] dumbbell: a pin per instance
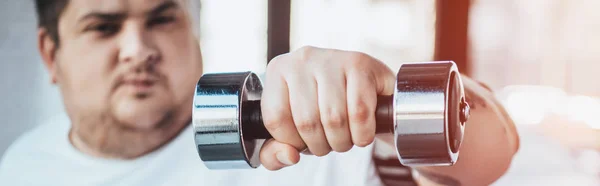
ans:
(426, 115)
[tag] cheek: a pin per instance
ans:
(86, 76)
(181, 64)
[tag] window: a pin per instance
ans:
(394, 31)
(234, 35)
(540, 56)
(548, 43)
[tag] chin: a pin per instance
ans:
(143, 114)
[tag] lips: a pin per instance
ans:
(136, 81)
(140, 82)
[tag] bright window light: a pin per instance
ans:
(392, 31)
(234, 35)
(584, 109)
(528, 105)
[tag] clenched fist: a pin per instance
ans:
(321, 100)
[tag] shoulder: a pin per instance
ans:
(33, 150)
(45, 137)
(483, 101)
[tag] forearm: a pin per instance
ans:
(488, 147)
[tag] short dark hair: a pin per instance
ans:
(48, 14)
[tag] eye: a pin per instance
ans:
(161, 20)
(106, 29)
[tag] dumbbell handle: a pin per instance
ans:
(254, 128)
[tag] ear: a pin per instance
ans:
(47, 48)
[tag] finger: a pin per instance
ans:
(362, 100)
(305, 111)
(384, 78)
(332, 105)
(275, 106)
(275, 155)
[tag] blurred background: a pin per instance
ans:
(538, 56)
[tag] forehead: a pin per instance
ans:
(82, 7)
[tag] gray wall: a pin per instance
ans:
(26, 96)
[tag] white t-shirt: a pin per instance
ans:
(44, 156)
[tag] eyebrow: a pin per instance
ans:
(162, 8)
(104, 16)
(116, 16)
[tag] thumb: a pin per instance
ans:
(275, 155)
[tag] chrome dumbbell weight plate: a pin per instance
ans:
(426, 115)
(217, 120)
(430, 113)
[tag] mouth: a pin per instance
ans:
(139, 83)
(139, 87)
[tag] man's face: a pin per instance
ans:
(127, 70)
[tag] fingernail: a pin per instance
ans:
(284, 158)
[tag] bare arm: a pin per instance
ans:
(490, 142)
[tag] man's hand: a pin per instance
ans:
(320, 99)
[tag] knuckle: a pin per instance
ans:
(334, 120)
(273, 122)
(305, 53)
(360, 113)
(272, 126)
(360, 56)
(306, 126)
(275, 64)
(365, 140)
(343, 147)
(280, 64)
(357, 59)
(306, 49)
(321, 153)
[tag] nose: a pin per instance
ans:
(138, 47)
